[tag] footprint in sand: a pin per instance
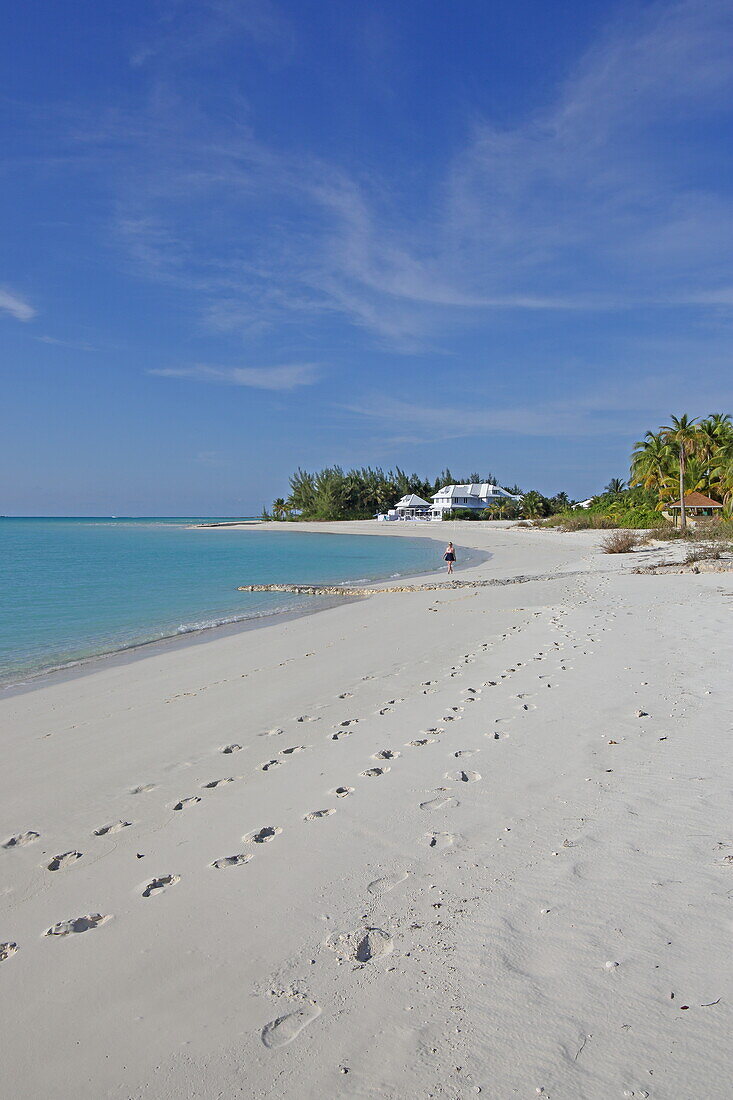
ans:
(114, 827)
(295, 748)
(263, 835)
(231, 861)
(144, 788)
(307, 718)
(186, 802)
(231, 748)
(158, 884)
(384, 885)
(421, 741)
(7, 950)
(285, 1028)
(440, 840)
(462, 776)
(59, 863)
(217, 783)
(315, 815)
(465, 752)
(362, 946)
(347, 723)
(371, 772)
(346, 695)
(270, 764)
(386, 754)
(78, 924)
(274, 732)
(339, 734)
(440, 803)
(341, 792)
(21, 839)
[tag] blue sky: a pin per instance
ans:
(240, 236)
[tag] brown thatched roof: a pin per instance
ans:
(697, 500)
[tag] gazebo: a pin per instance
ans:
(412, 507)
(696, 504)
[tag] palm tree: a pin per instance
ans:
(533, 504)
(683, 435)
(560, 502)
(651, 463)
(716, 432)
(279, 508)
(615, 486)
(722, 472)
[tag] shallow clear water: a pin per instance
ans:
(74, 588)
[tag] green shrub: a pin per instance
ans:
(614, 516)
(463, 513)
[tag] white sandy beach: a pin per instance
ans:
(522, 887)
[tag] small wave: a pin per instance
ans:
(209, 624)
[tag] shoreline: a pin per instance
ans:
(127, 654)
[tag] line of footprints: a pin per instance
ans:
(267, 833)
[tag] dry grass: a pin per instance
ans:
(620, 542)
(704, 530)
(708, 551)
(665, 533)
(588, 522)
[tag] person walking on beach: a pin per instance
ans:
(450, 556)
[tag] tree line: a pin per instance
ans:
(334, 493)
(685, 455)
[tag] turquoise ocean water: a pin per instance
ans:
(75, 588)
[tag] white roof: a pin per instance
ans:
(483, 489)
(412, 501)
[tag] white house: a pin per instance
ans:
(476, 496)
(410, 507)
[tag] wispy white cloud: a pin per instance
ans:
(16, 306)
(606, 409)
(439, 422)
(190, 29)
(586, 204)
(75, 345)
(288, 377)
(215, 459)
